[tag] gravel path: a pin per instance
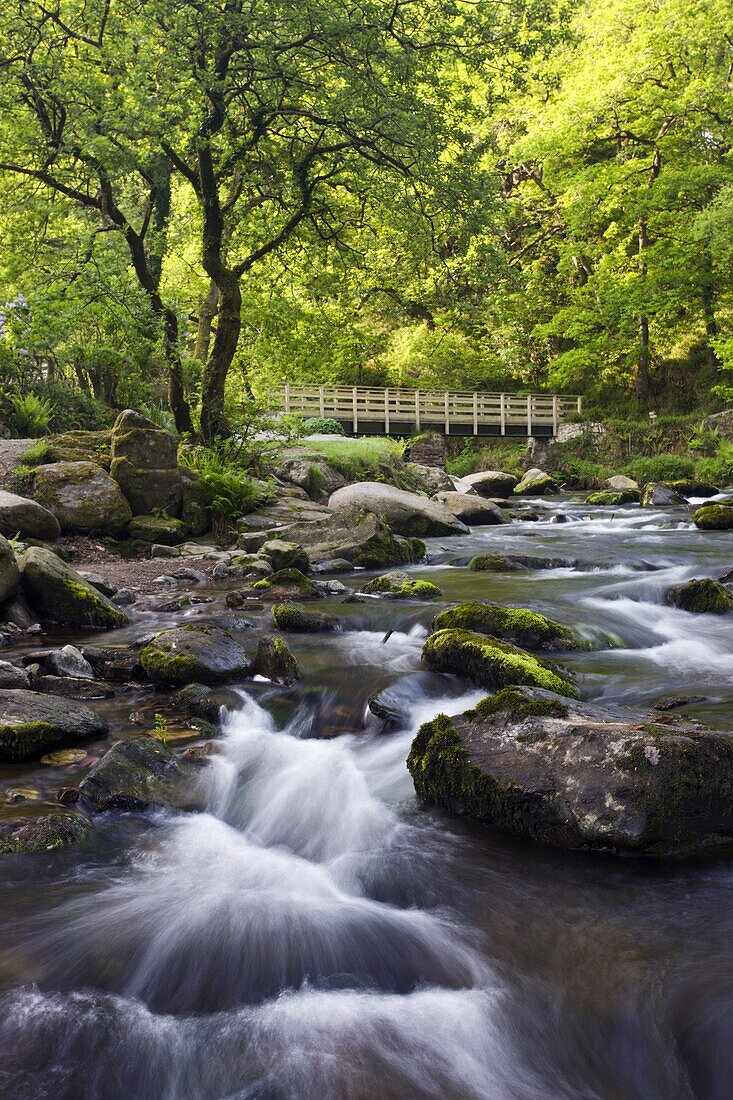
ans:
(11, 455)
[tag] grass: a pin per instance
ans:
(379, 448)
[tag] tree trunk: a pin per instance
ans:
(213, 419)
(641, 383)
(207, 312)
(176, 390)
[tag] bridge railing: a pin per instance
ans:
(401, 410)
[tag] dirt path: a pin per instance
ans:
(11, 455)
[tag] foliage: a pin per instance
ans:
(36, 454)
(718, 469)
(322, 425)
(660, 468)
(230, 492)
(478, 455)
(31, 415)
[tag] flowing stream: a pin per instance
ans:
(315, 935)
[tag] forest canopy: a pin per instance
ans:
(203, 200)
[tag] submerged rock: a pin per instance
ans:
(62, 595)
(26, 518)
(44, 834)
(703, 596)
(406, 513)
(401, 586)
(714, 517)
(518, 625)
(288, 617)
(194, 654)
(32, 724)
(139, 773)
(489, 663)
(537, 765)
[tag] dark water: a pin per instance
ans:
(315, 935)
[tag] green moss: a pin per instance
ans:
(492, 563)
(161, 663)
(714, 517)
(409, 590)
(688, 488)
(490, 663)
(104, 612)
(703, 596)
(275, 661)
(383, 550)
(289, 618)
(515, 703)
(609, 498)
(287, 578)
(518, 625)
(22, 739)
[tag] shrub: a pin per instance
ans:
(719, 469)
(664, 467)
(31, 414)
(230, 492)
(322, 425)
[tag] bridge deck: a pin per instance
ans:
(368, 411)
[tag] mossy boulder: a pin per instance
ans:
(703, 596)
(492, 563)
(275, 661)
(61, 595)
(539, 766)
(82, 497)
(287, 584)
(406, 513)
(285, 555)
(656, 494)
(518, 625)
(535, 483)
(714, 517)
(297, 620)
(145, 464)
(159, 529)
(81, 446)
(9, 572)
(610, 498)
(689, 488)
(203, 701)
(44, 834)
(139, 773)
(489, 663)
(26, 518)
(195, 510)
(32, 724)
(194, 654)
(401, 586)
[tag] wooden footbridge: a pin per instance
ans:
(364, 410)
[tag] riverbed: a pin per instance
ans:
(315, 934)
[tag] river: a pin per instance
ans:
(316, 935)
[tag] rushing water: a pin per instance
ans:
(314, 935)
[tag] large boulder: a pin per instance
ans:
(61, 595)
(9, 572)
(489, 483)
(687, 487)
(81, 446)
(274, 661)
(714, 517)
(145, 464)
(535, 483)
(195, 509)
(312, 474)
(26, 518)
(137, 774)
(44, 834)
(489, 663)
(472, 509)
(406, 513)
(32, 724)
(194, 654)
(82, 497)
(539, 766)
(159, 529)
(619, 482)
(429, 479)
(656, 494)
(518, 625)
(702, 596)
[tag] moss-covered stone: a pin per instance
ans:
(657, 494)
(493, 563)
(296, 620)
(82, 497)
(285, 555)
(275, 661)
(535, 483)
(399, 586)
(610, 499)
(194, 654)
(384, 549)
(44, 834)
(81, 446)
(287, 584)
(160, 529)
(138, 773)
(61, 595)
(689, 488)
(518, 625)
(714, 517)
(703, 596)
(32, 724)
(489, 663)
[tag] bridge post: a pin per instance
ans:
(502, 412)
(322, 400)
(529, 414)
(554, 415)
(354, 410)
(386, 412)
(580, 404)
(287, 397)
(447, 413)
(475, 414)
(417, 410)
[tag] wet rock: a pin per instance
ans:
(472, 509)
(289, 618)
(689, 488)
(400, 586)
(16, 612)
(9, 572)
(137, 774)
(535, 483)
(285, 555)
(61, 595)
(73, 687)
(512, 563)
(619, 483)
(674, 702)
(406, 513)
(13, 677)
(145, 465)
(275, 661)
(45, 834)
(489, 483)
(489, 663)
(205, 702)
(543, 767)
(69, 661)
(82, 497)
(287, 584)
(390, 708)
(658, 495)
(124, 597)
(99, 582)
(26, 518)
(31, 724)
(612, 498)
(714, 517)
(194, 654)
(158, 529)
(518, 625)
(332, 565)
(703, 596)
